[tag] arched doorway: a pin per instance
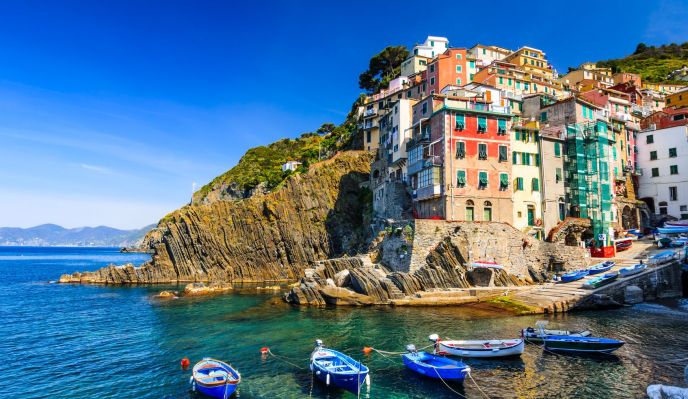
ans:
(487, 211)
(627, 218)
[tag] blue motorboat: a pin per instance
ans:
(567, 343)
(573, 276)
(661, 258)
(672, 229)
(599, 281)
(214, 378)
(335, 368)
(601, 267)
(631, 270)
(434, 366)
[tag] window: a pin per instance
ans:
(525, 158)
(471, 64)
(432, 68)
(458, 56)
(543, 117)
(509, 82)
(368, 136)
(514, 155)
(482, 124)
(458, 81)
(519, 184)
(487, 211)
(650, 139)
(503, 181)
(482, 151)
(614, 153)
(432, 81)
(424, 109)
(501, 80)
(482, 180)
(471, 76)
(531, 215)
(469, 212)
(460, 150)
(461, 178)
(502, 153)
(501, 126)
(673, 194)
(684, 208)
(517, 134)
(672, 152)
(673, 169)
(536, 184)
(562, 209)
(460, 121)
(557, 150)
(458, 67)
(653, 155)
(557, 175)
(655, 172)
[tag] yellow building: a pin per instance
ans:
(531, 60)
(526, 178)
(678, 99)
(664, 88)
(588, 71)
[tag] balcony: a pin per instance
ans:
(637, 172)
(621, 116)
(423, 163)
(428, 192)
(369, 112)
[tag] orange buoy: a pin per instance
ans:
(367, 350)
(264, 350)
(185, 363)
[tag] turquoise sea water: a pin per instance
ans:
(69, 341)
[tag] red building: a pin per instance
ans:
(448, 68)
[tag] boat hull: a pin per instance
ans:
(443, 368)
(215, 378)
(582, 344)
(601, 268)
(351, 380)
(601, 281)
(574, 276)
(631, 271)
(220, 392)
(494, 348)
(534, 335)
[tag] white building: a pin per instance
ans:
(432, 47)
(485, 55)
(663, 156)
(290, 165)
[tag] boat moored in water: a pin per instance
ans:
(567, 343)
(536, 335)
(434, 366)
(335, 368)
(214, 378)
(479, 348)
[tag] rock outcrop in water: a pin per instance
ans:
(447, 248)
(271, 237)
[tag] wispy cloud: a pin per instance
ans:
(667, 24)
(96, 168)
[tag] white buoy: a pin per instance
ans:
(327, 379)
(367, 379)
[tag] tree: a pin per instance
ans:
(640, 48)
(326, 128)
(383, 67)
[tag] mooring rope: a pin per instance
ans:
(285, 359)
(478, 386)
(447, 385)
(398, 353)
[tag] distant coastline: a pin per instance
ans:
(51, 235)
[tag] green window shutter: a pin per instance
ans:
(482, 177)
(501, 80)
(557, 175)
(557, 149)
(537, 159)
(460, 150)
(614, 153)
(536, 184)
(509, 81)
(503, 180)
(519, 183)
(461, 178)
(502, 153)
(514, 155)
(518, 135)
(482, 123)
(460, 121)
(482, 151)
(525, 158)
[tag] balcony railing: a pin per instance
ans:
(428, 192)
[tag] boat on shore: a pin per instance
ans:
(676, 223)
(672, 229)
(434, 366)
(335, 368)
(573, 276)
(623, 244)
(567, 343)
(632, 270)
(599, 281)
(661, 258)
(537, 335)
(601, 267)
(480, 348)
(484, 264)
(214, 378)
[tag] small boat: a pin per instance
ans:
(573, 276)
(531, 334)
(335, 368)
(677, 223)
(631, 270)
(484, 264)
(672, 230)
(214, 378)
(661, 258)
(480, 348)
(635, 232)
(599, 281)
(623, 244)
(434, 366)
(601, 267)
(566, 343)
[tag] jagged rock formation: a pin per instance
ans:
(446, 267)
(271, 237)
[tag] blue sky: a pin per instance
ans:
(111, 110)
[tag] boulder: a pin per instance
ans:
(199, 289)
(633, 294)
(666, 392)
(166, 295)
(344, 296)
(342, 278)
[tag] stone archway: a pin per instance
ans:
(627, 216)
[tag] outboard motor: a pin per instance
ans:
(318, 343)
(434, 337)
(410, 348)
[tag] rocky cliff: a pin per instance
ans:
(275, 236)
(441, 254)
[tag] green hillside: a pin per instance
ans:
(652, 63)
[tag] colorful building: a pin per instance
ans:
(511, 78)
(448, 68)
(431, 47)
(588, 71)
(678, 99)
(486, 55)
(526, 177)
(531, 60)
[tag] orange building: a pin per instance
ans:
(448, 68)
